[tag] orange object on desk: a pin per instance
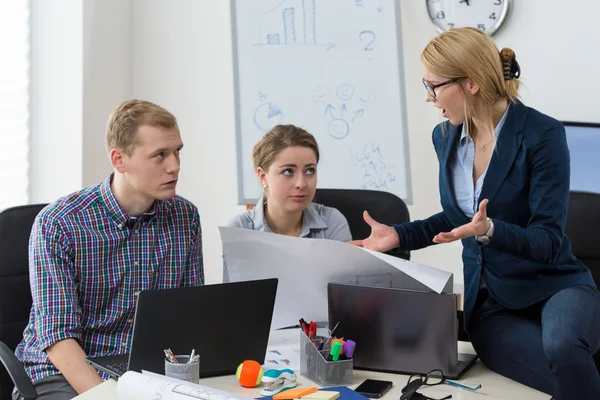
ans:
(295, 393)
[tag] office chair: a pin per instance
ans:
(384, 207)
(583, 219)
(15, 296)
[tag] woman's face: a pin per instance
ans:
(449, 98)
(291, 180)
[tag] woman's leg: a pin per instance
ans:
(571, 335)
(510, 343)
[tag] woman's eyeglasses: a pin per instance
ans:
(431, 88)
(432, 378)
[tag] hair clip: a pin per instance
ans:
(512, 69)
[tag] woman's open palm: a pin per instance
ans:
(382, 238)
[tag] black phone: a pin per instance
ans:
(374, 388)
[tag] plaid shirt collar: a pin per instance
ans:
(120, 216)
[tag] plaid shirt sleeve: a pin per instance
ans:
(194, 268)
(57, 315)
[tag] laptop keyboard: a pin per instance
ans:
(118, 367)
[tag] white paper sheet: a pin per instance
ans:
(305, 267)
(149, 386)
(282, 356)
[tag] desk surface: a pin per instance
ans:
(494, 386)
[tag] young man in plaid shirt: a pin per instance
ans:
(93, 250)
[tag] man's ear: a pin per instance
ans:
(472, 86)
(117, 160)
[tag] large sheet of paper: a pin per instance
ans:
(305, 267)
(149, 386)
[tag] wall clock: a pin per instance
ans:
(488, 15)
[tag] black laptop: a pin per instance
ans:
(399, 330)
(224, 323)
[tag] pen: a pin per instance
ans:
(331, 334)
(303, 326)
(312, 330)
(170, 356)
(192, 356)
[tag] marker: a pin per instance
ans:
(349, 348)
(334, 354)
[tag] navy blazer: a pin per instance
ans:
(529, 258)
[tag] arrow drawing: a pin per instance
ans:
(358, 113)
(329, 109)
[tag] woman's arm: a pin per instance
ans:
(419, 234)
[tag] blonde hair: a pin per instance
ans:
(278, 139)
(470, 52)
(124, 121)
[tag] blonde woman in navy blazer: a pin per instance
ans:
(532, 310)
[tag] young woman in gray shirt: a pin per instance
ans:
(286, 161)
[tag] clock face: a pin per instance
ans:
(488, 15)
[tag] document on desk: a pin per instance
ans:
(150, 386)
(304, 267)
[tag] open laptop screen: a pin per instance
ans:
(396, 330)
(584, 146)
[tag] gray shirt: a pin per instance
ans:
(318, 222)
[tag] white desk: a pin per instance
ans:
(494, 386)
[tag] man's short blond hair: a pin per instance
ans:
(124, 121)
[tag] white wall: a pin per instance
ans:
(106, 77)
(80, 59)
(182, 60)
(56, 98)
(180, 56)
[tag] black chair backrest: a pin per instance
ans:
(583, 219)
(15, 294)
(384, 207)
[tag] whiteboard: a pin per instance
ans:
(334, 68)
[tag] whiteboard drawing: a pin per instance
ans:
(345, 91)
(267, 114)
(288, 23)
(376, 173)
(333, 68)
(320, 94)
(338, 128)
(341, 116)
(367, 37)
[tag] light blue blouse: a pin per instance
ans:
(318, 222)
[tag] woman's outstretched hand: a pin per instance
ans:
(478, 226)
(382, 238)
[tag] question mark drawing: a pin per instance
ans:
(369, 35)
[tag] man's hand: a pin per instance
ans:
(68, 357)
(478, 226)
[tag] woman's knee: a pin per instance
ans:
(563, 346)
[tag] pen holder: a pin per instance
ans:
(183, 370)
(314, 364)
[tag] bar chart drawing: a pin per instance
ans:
(289, 26)
(301, 15)
(310, 30)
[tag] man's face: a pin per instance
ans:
(153, 167)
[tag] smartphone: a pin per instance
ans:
(373, 388)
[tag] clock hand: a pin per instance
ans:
(465, 1)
